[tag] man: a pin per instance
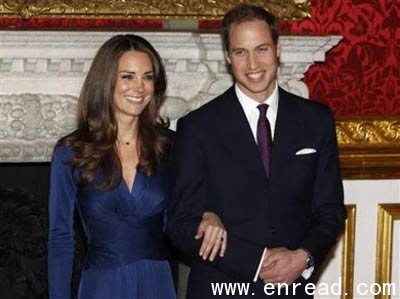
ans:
(271, 172)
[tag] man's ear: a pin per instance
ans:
(278, 50)
(227, 57)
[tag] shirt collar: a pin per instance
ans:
(249, 104)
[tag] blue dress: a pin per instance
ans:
(126, 256)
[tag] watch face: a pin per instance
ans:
(310, 261)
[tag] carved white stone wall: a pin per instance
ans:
(42, 73)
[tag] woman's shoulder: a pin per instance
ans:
(62, 151)
(62, 160)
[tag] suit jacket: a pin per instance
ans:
(216, 166)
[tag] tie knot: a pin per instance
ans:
(263, 109)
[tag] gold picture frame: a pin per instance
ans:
(387, 214)
(153, 9)
(348, 252)
(369, 147)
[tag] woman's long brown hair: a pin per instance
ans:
(94, 140)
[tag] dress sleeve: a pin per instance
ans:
(61, 244)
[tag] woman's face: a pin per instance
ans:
(135, 84)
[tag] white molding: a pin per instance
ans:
(41, 68)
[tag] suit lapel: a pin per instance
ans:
(285, 137)
(236, 133)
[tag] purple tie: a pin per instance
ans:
(264, 139)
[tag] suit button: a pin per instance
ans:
(273, 230)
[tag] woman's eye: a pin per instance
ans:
(127, 76)
(149, 77)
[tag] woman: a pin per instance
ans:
(113, 170)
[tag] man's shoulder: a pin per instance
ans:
(166, 132)
(307, 107)
(210, 109)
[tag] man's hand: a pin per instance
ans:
(215, 236)
(282, 265)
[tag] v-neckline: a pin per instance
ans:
(130, 188)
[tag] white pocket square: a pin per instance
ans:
(306, 151)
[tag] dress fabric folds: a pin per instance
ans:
(126, 257)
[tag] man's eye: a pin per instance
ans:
(238, 52)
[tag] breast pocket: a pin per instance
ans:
(305, 164)
(301, 174)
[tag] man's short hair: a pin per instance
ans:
(248, 12)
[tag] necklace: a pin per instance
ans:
(127, 143)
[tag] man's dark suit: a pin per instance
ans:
(216, 166)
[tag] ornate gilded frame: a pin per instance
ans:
(387, 214)
(348, 253)
(154, 9)
(369, 147)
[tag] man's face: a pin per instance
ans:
(253, 57)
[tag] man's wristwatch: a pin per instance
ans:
(309, 259)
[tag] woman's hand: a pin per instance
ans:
(215, 236)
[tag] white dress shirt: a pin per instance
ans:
(252, 113)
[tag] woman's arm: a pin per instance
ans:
(61, 244)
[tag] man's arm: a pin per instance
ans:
(328, 212)
(188, 201)
(327, 216)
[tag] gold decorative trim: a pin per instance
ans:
(387, 214)
(348, 253)
(193, 9)
(363, 131)
(369, 147)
